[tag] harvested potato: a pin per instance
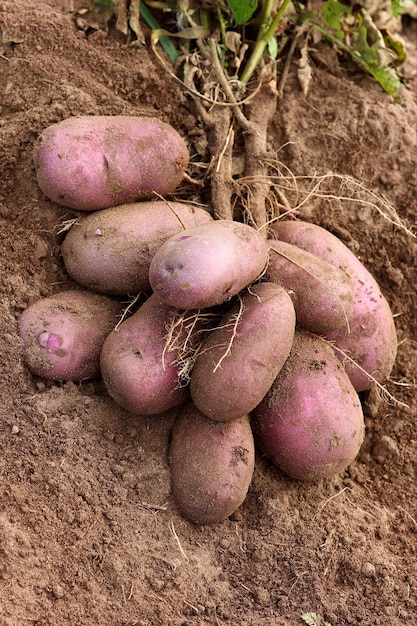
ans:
(138, 370)
(207, 265)
(372, 340)
(94, 162)
(240, 359)
(322, 293)
(310, 423)
(63, 334)
(110, 251)
(211, 465)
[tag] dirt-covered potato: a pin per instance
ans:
(240, 359)
(63, 334)
(138, 370)
(310, 423)
(211, 465)
(110, 251)
(207, 265)
(370, 346)
(94, 162)
(322, 293)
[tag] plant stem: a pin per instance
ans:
(266, 31)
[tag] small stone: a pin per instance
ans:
(368, 570)
(15, 429)
(58, 591)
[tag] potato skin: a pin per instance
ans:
(310, 423)
(110, 251)
(63, 334)
(261, 342)
(211, 465)
(322, 293)
(207, 265)
(94, 162)
(137, 373)
(372, 341)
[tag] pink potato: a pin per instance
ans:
(94, 162)
(310, 423)
(63, 334)
(207, 265)
(322, 293)
(372, 340)
(240, 359)
(110, 251)
(211, 465)
(140, 374)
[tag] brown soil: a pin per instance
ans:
(89, 532)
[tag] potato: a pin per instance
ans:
(208, 264)
(110, 251)
(372, 340)
(322, 293)
(63, 334)
(310, 423)
(137, 369)
(211, 465)
(94, 162)
(240, 359)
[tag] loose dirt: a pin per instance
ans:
(89, 531)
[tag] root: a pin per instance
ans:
(185, 336)
(383, 391)
(367, 197)
(234, 325)
(127, 310)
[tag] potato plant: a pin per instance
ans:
(261, 331)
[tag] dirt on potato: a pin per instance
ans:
(89, 531)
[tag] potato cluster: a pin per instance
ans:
(261, 343)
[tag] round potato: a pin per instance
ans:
(369, 348)
(240, 359)
(207, 265)
(110, 251)
(211, 465)
(63, 334)
(310, 423)
(94, 162)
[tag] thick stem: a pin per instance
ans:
(220, 141)
(261, 112)
(265, 33)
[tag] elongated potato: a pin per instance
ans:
(63, 334)
(110, 251)
(372, 340)
(322, 293)
(94, 162)
(211, 465)
(207, 265)
(240, 359)
(140, 374)
(310, 423)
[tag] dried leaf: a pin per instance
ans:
(304, 72)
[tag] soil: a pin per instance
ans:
(89, 531)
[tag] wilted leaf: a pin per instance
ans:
(304, 73)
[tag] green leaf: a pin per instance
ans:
(333, 12)
(397, 7)
(242, 10)
(165, 42)
(313, 619)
